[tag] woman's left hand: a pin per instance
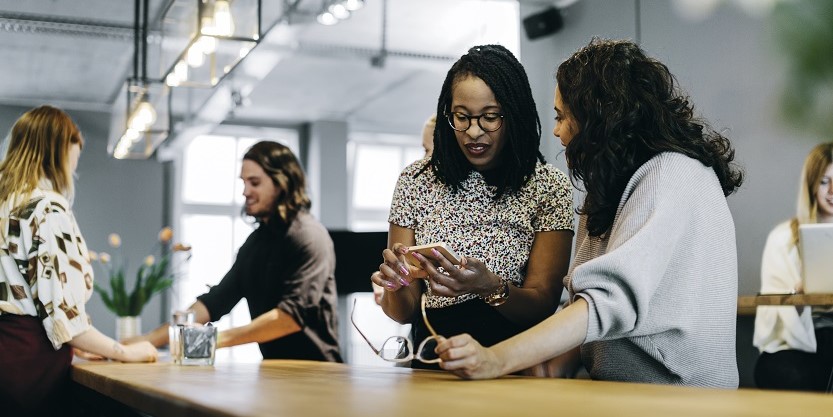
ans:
(466, 358)
(471, 277)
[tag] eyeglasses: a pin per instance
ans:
(488, 122)
(400, 348)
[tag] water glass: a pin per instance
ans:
(179, 320)
(198, 344)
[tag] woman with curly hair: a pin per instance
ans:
(653, 286)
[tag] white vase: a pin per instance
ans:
(128, 326)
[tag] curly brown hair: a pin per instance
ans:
(628, 108)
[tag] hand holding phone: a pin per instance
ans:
(425, 250)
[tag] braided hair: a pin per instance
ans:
(628, 109)
(501, 71)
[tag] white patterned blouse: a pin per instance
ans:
(45, 270)
(472, 223)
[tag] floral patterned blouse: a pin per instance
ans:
(499, 233)
(45, 270)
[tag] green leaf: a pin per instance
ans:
(105, 297)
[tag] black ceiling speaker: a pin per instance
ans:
(543, 23)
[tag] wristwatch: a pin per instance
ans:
(498, 297)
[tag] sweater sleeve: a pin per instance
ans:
(620, 284)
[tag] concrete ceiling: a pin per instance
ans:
(77, 54)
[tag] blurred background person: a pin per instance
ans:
(428, 135)
(796, 342)
(285, 270)
(428, 145)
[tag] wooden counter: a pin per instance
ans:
(300, 388)
(748, 303)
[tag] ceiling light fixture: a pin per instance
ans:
(334, 11)
(353, 5)
(140, 121)
(204, 40)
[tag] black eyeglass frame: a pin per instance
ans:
(449, 118)
(413, 354)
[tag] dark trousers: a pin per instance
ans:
(797, 370)
(34, 377)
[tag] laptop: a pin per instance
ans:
(816, 248)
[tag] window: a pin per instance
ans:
(375, 161)
(208, 216)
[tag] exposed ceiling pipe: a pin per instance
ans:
(54, 25)
(378, 61)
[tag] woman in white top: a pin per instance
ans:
(45, 272)
(796, 343)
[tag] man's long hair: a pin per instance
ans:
(283, 167)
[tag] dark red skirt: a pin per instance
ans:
(34, 377)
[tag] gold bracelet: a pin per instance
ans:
(500, 296)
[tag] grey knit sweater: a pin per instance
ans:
(662, 285)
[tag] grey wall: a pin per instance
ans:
(327, 172)
(112, 196)
(733, 73)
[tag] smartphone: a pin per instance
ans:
(425, 250)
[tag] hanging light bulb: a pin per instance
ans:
(223, 23)
(327, 18)
(181, 71)
(121, 149)
(194, 56)
(172, 80)
(339, 11)
(131, 135)
(143, 117)
(208, 44)
(353, 5)
(207, 26)
(148, 113)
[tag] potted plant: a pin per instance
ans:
(126, 300)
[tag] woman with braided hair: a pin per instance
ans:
(487, 193)
(653, 287)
